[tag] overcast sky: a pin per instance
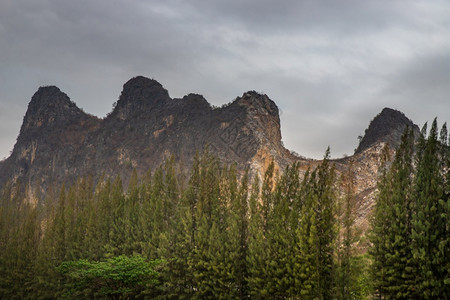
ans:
(330, 66)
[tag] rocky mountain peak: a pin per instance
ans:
(196, 101)
(49, 106)
(260, 102)
(140, 94)
(388, 126)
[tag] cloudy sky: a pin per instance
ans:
(330, 66)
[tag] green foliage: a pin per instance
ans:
(221, 234)
(352, 272)
(410, 226)
(430, 223)
(116, 276)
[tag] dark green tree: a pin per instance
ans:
(281, 234)
(258, 256)
(344, 272)
(325, 226)
(306, 256)
(430, 225)
(393, 266)
(380, 223)
(399, 262)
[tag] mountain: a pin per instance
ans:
(388, 126)
(58, 142)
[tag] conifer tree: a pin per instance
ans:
(257, 256)
(238, 241)
(51, 250)
(399, 263)
(19, 238)
(133, 210)
(282, 235)
(379, 226)
(344, 274)
(325, 226)
(178, 271)
(430, 221)
(116, 244)
(391, 226)
(306, 266)
(208, 252)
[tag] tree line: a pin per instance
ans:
(411, 219)
(220, 234)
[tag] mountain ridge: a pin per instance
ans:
(59, 143)
(245, 131)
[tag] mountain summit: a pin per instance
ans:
(139, 95)
(49, 107)
(58, 142)
(388, 126)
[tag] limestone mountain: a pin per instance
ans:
(388, 126)
(58, 142)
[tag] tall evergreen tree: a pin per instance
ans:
(379, 226)
(281, 234)
(178, 272)
(344, 274)
(430, 221)
(258, 256)
(325, 226)
(393, 263)
(307, 261)
(399, 263)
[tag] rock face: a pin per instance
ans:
(59, 142)
(388, 126)
(53, 131)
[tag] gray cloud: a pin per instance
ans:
(331, 66)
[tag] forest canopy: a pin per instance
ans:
(223, 234)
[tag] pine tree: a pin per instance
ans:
(208, 254)
(133, 206)
(241, 220)
(19, 239)
(379, 226)
(178, 271)
(325, 226)
(399, 264)
(306, 266)
(393, 261)
(282, 235)
(256, 256)
(233, 267)
(84, 196)
(28, 237)
(51, 251)
(115, 244)
(344, 272)
(430, 221)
